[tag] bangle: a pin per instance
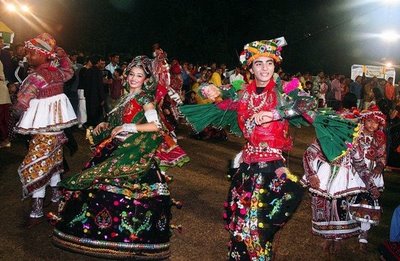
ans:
(129, 127)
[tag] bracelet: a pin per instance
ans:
(129, 127)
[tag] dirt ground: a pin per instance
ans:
(202, 187)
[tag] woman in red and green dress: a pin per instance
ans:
(119, 206)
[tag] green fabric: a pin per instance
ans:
(124, 168)
(238, 85)
(116, 115)
(334, 134)
(128, 162)
(201, 116)
(229, 93)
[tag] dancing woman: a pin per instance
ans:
(119, 206)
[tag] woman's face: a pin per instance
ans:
(136, 78)
(371, 125)
(263, 70)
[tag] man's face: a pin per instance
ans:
(35, 58)
(101, 65)
(115, 59)
(20, 52)
(263, 70)
(1, 43)
(73, 58)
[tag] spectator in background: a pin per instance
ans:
(19, 64)
(71, 86)
(13, 91)
(356, 88)
(323, 89)
(188, 79)
(94, 92)
(117, 89)
(223, 73)
(368, 93)
(82, 85)
(336, 92)
(124, 65)
(107, 81)
(344, 86)
(393, 135)
(5, 103)
(5, 59)
(390, 92)
(216, 77)
(236, 75)
(384, 105)
(114, 63)
(308, 87)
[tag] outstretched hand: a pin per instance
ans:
(211, 92)
(101, 127)
(116, 131)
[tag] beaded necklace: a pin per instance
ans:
(264, 97)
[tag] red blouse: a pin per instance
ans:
(267, 141)
(130, 111)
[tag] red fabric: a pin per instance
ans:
(378, 142)
(273, 135)
(131, 111)
(244, 112)
(161, 91)
(227, 104)
(176, 69)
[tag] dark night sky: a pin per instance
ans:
(328, 35)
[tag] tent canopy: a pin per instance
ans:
(6, 33)
(4, 28)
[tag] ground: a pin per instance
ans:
(202, 187)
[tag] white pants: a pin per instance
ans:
(82, 115)
(40, 193)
